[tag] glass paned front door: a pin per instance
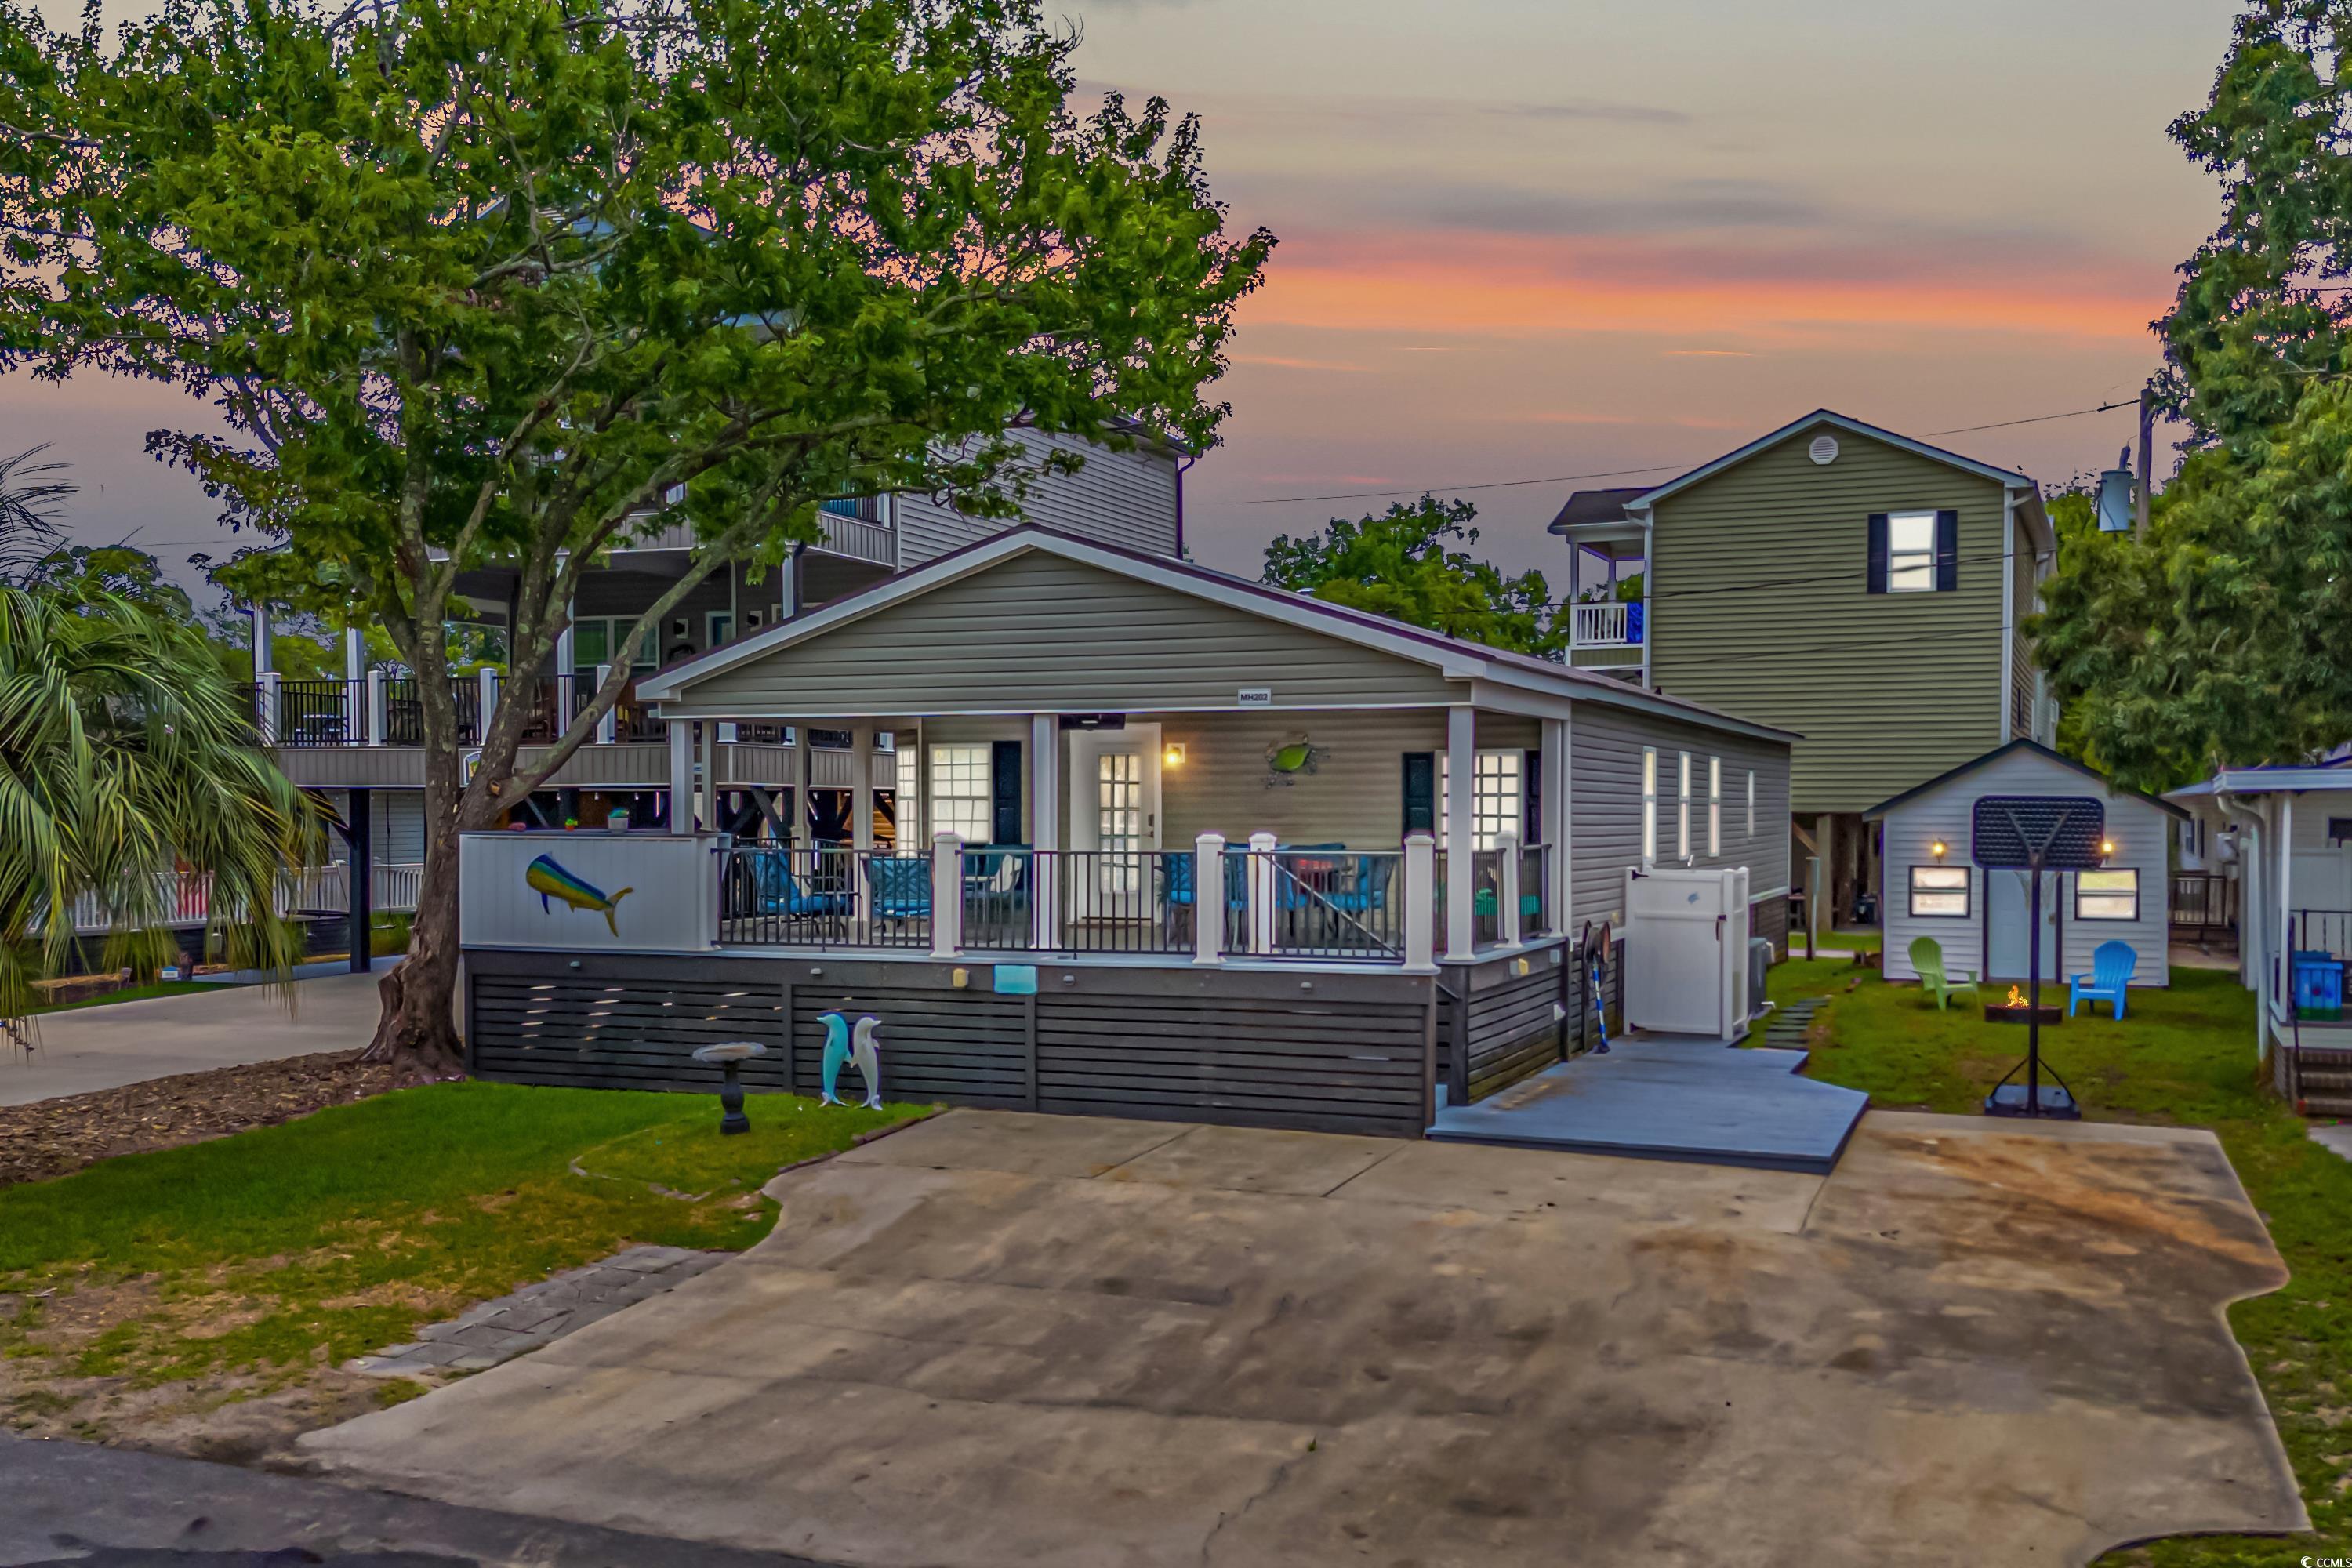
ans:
(1119, 817)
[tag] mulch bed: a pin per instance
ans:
(53, 1136)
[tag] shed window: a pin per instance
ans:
(1682, 806)
(1911, 552)
(961, 799)
(2111, 895)
(1649, 805)
(1715, 805)
(1940, 891)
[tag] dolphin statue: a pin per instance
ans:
(839, 1049)
(869, 1060)
(836, 1051)
(550, 880)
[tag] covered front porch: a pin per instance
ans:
(1328, 835)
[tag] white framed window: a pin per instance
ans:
(2111, 895)
(961, 799)
(1752, 803)
(593, 638)
(1715, 805)
(1497, 798)
(905, 806)
(1911, 552)
(1940, 891)
(1682, 806)
(1649, 805)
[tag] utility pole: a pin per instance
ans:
(2147, 458)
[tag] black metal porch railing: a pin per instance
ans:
(1119, 900)
(307, 712)
(825, 896)
(1308, 901)
(403, 710)
(999, 884)
(1486, 896)
(2203, 906)
(1535, 891)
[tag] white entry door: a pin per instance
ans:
(2006, 907)
(1114, 821)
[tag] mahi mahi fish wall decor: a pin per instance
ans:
(550, 880)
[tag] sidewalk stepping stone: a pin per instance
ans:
(494, 1332)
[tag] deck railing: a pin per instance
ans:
(185, 897)
(1486, 896)
(825, 896)
(1119, 900)
(2203, 906)
(1535, 891)
(1613, 624)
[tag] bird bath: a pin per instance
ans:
(730, 1055)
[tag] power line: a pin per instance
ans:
(1628, 473)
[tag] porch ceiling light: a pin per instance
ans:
(1172, 754)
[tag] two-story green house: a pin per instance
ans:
(1860, 587)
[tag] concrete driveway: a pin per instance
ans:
(1002, 1340)
(90, 1049)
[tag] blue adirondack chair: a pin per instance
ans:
(901, 887)
(2112, 963)
(1176, 864)
(781, 893)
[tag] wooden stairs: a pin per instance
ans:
(2320, 1079)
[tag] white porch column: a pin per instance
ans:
(265, 641)
(1552, 811)
(1045, 828)
(1461, 796)
(265, 717)
(379, 712)
(947, 894)
(803, 837)
(1507, 888)
(861, 817)
(1208, 899)
(565, 675)
(1258, 892)
(1419, 901)
(2285, 965)
(608, 728)
(681, 776)
(356, 729)
(488, 681)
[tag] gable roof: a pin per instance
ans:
(2009, 478)
(1455, 658)
(1596, 506)
(2036, 747)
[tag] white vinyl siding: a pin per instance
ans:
(1125, 499)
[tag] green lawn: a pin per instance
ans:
(2181, 1056)
(133, 993)
(300, 1245)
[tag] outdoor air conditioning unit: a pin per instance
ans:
(1687, 970)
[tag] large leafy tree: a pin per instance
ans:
(2224, 634)
(1403, 563)
(513, 281)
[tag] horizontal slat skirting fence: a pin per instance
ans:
(1333, 1052)
(1496, 1027)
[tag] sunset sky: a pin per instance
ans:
(1523, 238)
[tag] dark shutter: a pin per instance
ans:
(1878, 553)
(1421, 791)
(1531, 803)
(1004, 792)
(1948, 551)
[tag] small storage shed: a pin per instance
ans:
(1931, 885)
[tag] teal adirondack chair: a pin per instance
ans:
(2112, 963)
(1927, 959)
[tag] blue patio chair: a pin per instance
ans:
(1176, 867)
(781, 893)
(1368, 889)
(1299, 882)
(901, 887)
(2112, 963)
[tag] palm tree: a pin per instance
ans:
(125, 754)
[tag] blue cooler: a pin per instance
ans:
(2318, 986)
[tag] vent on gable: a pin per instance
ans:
(1824, 449)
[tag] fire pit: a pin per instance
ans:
(2013, 1009)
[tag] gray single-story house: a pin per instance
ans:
(1932, 886)
(1170, 843)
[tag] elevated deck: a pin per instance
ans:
(1693, 1101)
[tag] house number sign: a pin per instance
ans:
(1254, 697)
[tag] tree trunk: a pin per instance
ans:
(417, 1032)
